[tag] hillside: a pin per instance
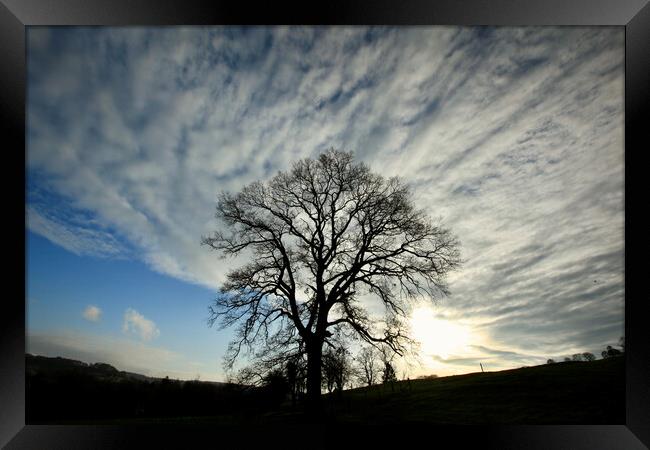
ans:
(59, 366)
(61, 389)
(561, 393)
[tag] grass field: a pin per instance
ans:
(561, 393)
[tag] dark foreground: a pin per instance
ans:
(561, 393)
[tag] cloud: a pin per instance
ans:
(134, 322)
(92, 313)
(78, 239)
(513, 135)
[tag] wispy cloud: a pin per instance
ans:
(134, 322)
(76, 238)
(92, 313)
(513, 135)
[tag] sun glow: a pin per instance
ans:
(438, 337)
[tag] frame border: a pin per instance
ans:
(15, 15)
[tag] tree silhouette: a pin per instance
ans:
(329, 370)
(276, 386)
(388, 374)
(586, 356)
(367, 365)
(336, 368)
(431, 376)
(610, 351)
(295, 376)
(318, 237)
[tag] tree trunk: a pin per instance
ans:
(314, 359)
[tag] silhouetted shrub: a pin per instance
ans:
(427, 377)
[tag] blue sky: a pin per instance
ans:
(514, 136)
(61, 286)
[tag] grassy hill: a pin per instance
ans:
(561, 393)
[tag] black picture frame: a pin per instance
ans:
(15, 15)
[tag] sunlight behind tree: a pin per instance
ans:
(436, 336)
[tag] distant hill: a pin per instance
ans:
(57, 366)
(70, 391)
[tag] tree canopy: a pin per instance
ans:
(324, 238)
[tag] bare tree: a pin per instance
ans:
(320, 236)
(329, 370)
(336, 368)
(336, 364)
(587, 356)
(296, 374)
(368, 365)
(577, 357)
(388, 373)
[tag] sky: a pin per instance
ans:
(513, 136)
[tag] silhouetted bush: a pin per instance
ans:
(428, 377)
